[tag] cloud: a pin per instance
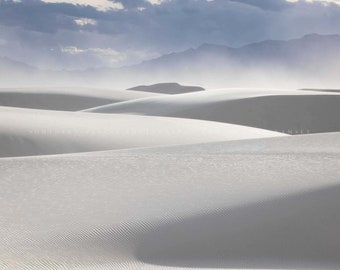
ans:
(101, 5)
(336, 2)
(85, 21)
(81, 34)
(157, 2)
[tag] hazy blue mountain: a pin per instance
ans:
(311, 48)
(312, 61)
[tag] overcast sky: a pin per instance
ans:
(65, 34)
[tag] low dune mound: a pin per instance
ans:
(65, 99)
(172, 211)
(288, 111)
(25, 132)
(167, 88)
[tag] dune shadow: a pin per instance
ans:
(299, 231)
(288, 114)
(291, 114)
(50, 101)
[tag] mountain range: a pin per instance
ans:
(310, 61)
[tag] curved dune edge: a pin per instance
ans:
(151, 211)
(300, 144)
(37, 132)
(65, 99)
(287, 111)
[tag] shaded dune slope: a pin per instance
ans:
(65, 99)
(292, 232)
(292, 112)
(37, 132)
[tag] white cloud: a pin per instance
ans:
(71, 50)
(85, 21)
(156, 2)
(337, 2)
(101, 5)
(325, 1)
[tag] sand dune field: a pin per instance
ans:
(202, 180)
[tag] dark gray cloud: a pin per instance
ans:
(44, 17)
(63, 35)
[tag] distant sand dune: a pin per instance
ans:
(25, 132)
(167, 88)
(65, 99)
(288, 111)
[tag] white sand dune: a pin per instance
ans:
(288, 111)
(118, 190)
(65, 99)
(261, 210)
(26, 132)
